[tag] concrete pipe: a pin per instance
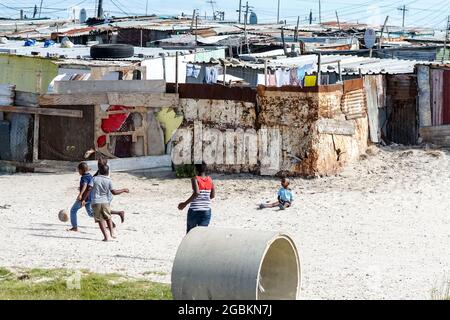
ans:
(234, 264)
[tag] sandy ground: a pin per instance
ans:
(379, 230)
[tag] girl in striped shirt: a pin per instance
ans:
(199, 213)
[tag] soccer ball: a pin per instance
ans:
(63, 216)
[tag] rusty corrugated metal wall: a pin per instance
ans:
(437, 86)
(402, 121)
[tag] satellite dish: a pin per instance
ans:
(370, 37)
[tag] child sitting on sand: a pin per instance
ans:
(285, 197)
(83, 198)
(101, 200)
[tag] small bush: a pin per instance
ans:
(185, 171)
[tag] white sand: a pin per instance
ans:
(379, 230)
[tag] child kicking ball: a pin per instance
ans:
(101, 200)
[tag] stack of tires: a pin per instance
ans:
(112, 51)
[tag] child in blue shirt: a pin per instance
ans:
(285, 197)
(84, 195)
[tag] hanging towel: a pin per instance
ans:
(189, 70)
(279, 75)
(196, 71)
(310, 81)
(293, 78)
(272, 80)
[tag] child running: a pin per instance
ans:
(199, 213)
(101, 200)
(121, 214)
(285, 197)
(83, 198)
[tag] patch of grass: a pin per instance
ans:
(185, 171)
(62, 284)
(442, 293)
(4, 272)
(157, 273)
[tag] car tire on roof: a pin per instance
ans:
(112, 51)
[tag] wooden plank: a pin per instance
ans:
(338, 127)
(43, 111)
(130, 99)
(139, 99)
(95, 86)
(36, 138)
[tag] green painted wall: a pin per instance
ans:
(440, 54)
(207, 55)
(27, 73)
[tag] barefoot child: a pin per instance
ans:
(285, 197)
(101, 199)
(83, 198)
(121, 214)
(199, 213)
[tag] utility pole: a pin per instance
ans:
(446, 39)
(193, 18)
(146, 9)
(337, 18)
(240, 10)
(245, 27)
(40, 8)
(310, 17)
(100, 9)
(278, 12)
(296, 29)
(320, 12)
(403, 21)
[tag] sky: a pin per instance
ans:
(420, 13)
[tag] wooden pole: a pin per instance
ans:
(382, 31)
(176, 72)
(225, 74)
(36, 138)
(337, 18)
(265, 73)
(296, 29)
(284, 42)
(319, 69)
(340, 71)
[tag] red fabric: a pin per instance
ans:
(113, 123)
(204, 183)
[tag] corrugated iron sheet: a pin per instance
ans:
(446, 98)
(437, 83)
(354, 104)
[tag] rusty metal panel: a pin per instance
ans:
(437, 82)
(446, 98)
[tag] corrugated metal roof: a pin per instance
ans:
(350, 65)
